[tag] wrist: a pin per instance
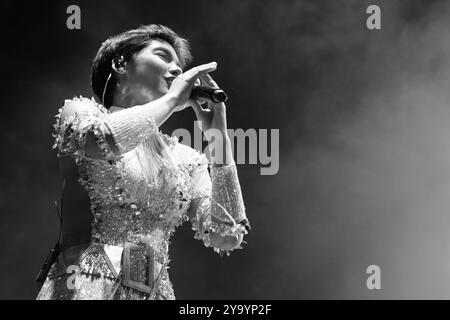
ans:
(221, 154)
(171, 101)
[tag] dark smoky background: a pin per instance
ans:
(364, 116)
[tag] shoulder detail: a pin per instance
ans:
(74, 106)
(79, 105)
(73, 121)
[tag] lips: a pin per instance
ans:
(169, 81)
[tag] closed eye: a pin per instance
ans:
(163, 56)
(166, 55)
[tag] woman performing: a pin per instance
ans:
(128, 185)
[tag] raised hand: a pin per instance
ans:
(182, 85)
(214, 117)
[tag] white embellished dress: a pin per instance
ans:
(134, 217)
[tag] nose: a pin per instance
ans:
(175, 70)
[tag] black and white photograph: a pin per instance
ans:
(225, 151)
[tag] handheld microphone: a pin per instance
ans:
(208, 93)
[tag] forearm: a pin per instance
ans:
(228, 203)
(221, 156)
(227, 200)
(131, 126)
(217, 211)
(229, 221)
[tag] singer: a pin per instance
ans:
(128, 185)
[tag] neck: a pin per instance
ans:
(127, 98)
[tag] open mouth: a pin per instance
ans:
(169, 81)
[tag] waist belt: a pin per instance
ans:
(135, 265)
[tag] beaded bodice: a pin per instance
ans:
(127, 209)
(125, 206)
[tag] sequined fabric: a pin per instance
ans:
(135, 217)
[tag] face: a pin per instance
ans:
(152, 70)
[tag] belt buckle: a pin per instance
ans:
(140, 270)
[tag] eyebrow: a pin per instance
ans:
(167, 51)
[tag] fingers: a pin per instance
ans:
(200, 70)
(209, 81)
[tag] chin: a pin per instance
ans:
(159, 93)
(164, 90)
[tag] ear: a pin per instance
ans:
(119, 65)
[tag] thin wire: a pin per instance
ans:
(106, 86)
(60, 214)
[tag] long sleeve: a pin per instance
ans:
(124, 129)
(217, 203)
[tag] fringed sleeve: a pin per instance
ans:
(217, 203)
(123, 129)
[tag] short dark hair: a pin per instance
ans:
(127, 44)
